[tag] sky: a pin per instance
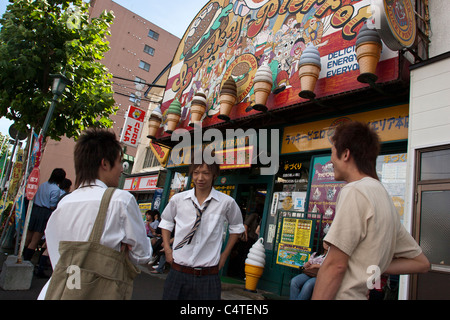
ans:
(174, 18)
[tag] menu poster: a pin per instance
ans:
(292, 256)
(323, 190)
(297, 232)
(295, 243)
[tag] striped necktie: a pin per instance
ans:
(188, 238)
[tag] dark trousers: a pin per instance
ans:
(183, 286)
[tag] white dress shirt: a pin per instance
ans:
(75, 216)
(206, 245)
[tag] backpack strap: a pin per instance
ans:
(99, 224)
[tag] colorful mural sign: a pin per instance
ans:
(231, 37)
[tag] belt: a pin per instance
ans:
(197, 271)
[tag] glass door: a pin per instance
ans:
(432, 222)
(434, 204)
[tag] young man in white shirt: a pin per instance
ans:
(98, 166)
(366, 233)
(198, 216)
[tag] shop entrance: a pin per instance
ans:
(251, 199)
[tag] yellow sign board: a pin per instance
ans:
(391, 124)
(161, 152)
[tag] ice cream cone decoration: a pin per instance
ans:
(198, 107)
(368, 52)
(254, 265)
(227, 99)
(173, 115)
(154, 122)
(309, 71)
(263, 83)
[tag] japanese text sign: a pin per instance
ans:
(132, 128)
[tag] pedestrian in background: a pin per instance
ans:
(198, 216)
(366, 232)
(44, 203)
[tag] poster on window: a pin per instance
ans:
(132, 129)
(324, 191)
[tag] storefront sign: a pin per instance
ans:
(226, 189)
(236, 152)
(236, 158)
(132, 128)
(161, 153)
(391, 124)
(235, 38)
(141, 183)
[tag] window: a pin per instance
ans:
(435, 165)
(149, 50)
(150, 160)
(154, 35)
(144, 65)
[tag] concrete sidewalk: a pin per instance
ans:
(147, 286)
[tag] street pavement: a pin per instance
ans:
(147, 286)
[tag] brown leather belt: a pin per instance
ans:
(197, 271)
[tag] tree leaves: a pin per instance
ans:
(39, 38)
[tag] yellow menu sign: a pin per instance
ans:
(297, 232)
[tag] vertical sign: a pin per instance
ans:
(134, 121)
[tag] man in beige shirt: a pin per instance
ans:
(366, 235)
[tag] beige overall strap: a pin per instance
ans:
(97, 230)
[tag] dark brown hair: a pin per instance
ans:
(93, 146)
(362, 142)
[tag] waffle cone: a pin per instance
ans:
(172, 121)
(262, 90)
(227, 102)
(368, 54)
(252, 275)
(197, 112)
(308, 74)
(153, 126)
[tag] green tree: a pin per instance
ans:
(43, 37)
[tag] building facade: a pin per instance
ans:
(290, 130)
(139, 51)
(428, 171)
